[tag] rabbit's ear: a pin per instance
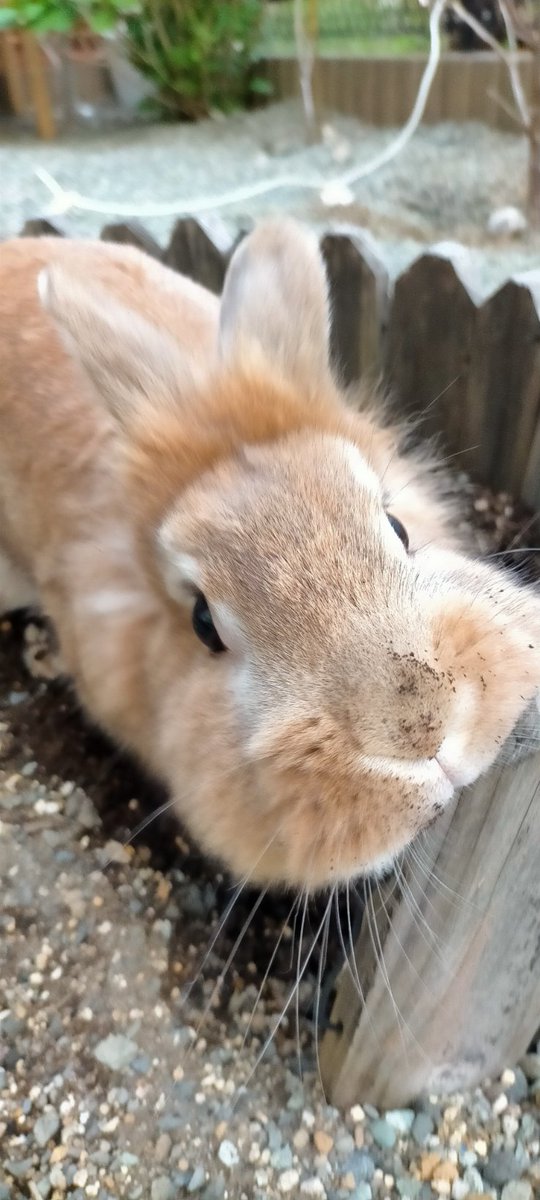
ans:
(275, 301)
(131, 363)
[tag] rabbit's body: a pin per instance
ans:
(175, 450)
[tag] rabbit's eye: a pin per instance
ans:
(399, 529)
(204, 626)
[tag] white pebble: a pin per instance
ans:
(228, 1154)
(312, 1187)
(288, 1180)
(508, 221)
(336, 195)
(499, 1104)
(357, 1114)
(308, 1118)
(508, 1077)
(57, 1178)
(460, 1189)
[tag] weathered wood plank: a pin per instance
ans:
(40, 227)
(359, 294)
(201, 249)
(430, 343)
(463, 965)
(504, 405)
(131, 233)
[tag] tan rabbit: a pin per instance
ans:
(220, 542)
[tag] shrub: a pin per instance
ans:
(198, 53)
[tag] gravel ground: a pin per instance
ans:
(116, 1080)
(444, 185)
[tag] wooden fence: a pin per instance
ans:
(471, 86)
(468, 994)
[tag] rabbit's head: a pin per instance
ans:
(335, 681)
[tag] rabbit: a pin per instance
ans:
(254, 589)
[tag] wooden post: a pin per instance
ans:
(359, 296)
(504, 389)
(430, 345)
(39, 89)
(200, 249)
(131, 233)
(463, 965)
(12, 61)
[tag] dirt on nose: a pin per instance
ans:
(418, 702)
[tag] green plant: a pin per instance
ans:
(198, 53)
(64, 16)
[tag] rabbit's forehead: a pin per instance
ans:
(314, 496)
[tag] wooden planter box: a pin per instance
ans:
(457, 996)
(382, 90)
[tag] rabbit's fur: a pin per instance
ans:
(155, 445)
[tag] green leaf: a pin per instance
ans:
(52, 22)
(261, 87)
(8, 18)
(102, 22)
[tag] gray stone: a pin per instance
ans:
(116, 1051)
(46, 1127)
(409, 1188)
(422, 1128)
(501, 1167)
(517, 1190)
(518, 1090)
(215, 1189)
(282, 1158)
(162, 1189)
(228, 1154)
(345, 1144)
(126, 1159)
(142, 1064)
(361, 1165)
(18, 1169)
(401, 1119)
(163, 1147)
(361, 1192)
(383, 1134)
(274, 1136)
(474, 1180)
(198, 1180)
(530, 1065)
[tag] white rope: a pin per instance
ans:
(334, 191)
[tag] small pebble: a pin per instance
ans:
(323, 1142)
(116, 1051)
(198, 1179)
(422, 1128)
(401, 1119)
(501, 1167)
(289, 1179)
(517, 1190)
(383, 1133)
(313, 1187)
(162, 1189)
(46, 1127)
(228, 1154)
